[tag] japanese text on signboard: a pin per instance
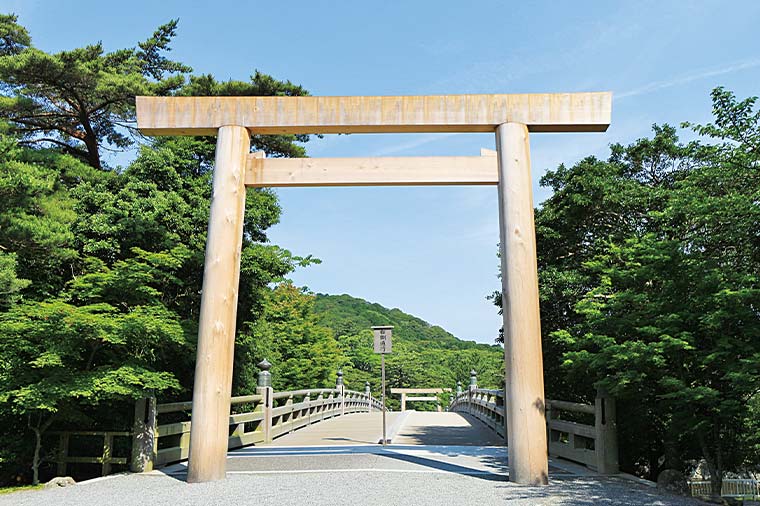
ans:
(383, 343)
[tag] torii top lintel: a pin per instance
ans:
(541, 112)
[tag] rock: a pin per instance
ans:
(673, 481)
(60, 481)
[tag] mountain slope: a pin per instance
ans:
(347, 315)
(423, 355)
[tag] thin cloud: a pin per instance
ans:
(414, 143)
(670, 83)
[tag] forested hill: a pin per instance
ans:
(424, 355)
(347, 315)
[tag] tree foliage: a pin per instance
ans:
(81, 100)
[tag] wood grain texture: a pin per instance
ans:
(216, 331)
(541, 112)
(381, 171)
(525, 404)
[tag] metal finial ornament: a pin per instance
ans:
(265, 377)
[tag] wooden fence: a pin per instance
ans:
(161, 432)
(583, 433)
(106, 458)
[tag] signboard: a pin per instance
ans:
(383, 342)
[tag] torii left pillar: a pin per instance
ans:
(216, 332)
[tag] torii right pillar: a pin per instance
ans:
(524, 392)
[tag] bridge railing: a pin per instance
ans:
(485, 405)
(583, 433)
(256, 418)
(161, 432)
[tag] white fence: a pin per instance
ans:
(738, 488)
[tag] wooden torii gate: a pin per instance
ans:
(419, 395)
(234, 119)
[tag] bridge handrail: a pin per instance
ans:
(273, 414)
(173, 407)
(592, 444)
(300, 393)
(571, 406)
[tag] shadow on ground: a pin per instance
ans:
(475, 433)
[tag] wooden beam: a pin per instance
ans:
(386, 171)
(541, 112)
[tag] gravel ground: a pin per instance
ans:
(344, 488)
(356, 474)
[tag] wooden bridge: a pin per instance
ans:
(320, 446)
(340, 416)
(324, 450)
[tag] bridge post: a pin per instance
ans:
(606, 446)
(216, 328)
(264, 389)
(524, 392)
(471, 392)
(341, 391)
(144, 436)
(307, 402)
(403, 402)
(368, 393)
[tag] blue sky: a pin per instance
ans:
(431, 251)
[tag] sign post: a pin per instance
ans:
(383, 345)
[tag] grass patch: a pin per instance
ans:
(10, 490)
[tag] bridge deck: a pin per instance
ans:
(428, 428)
(357, 428)
(407, 428)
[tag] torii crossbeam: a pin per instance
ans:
(234, 119)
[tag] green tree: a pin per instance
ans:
(304, 354)
(10, 284)
(37, 214)
(81, 101)
(121, 251)
(100, 342)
